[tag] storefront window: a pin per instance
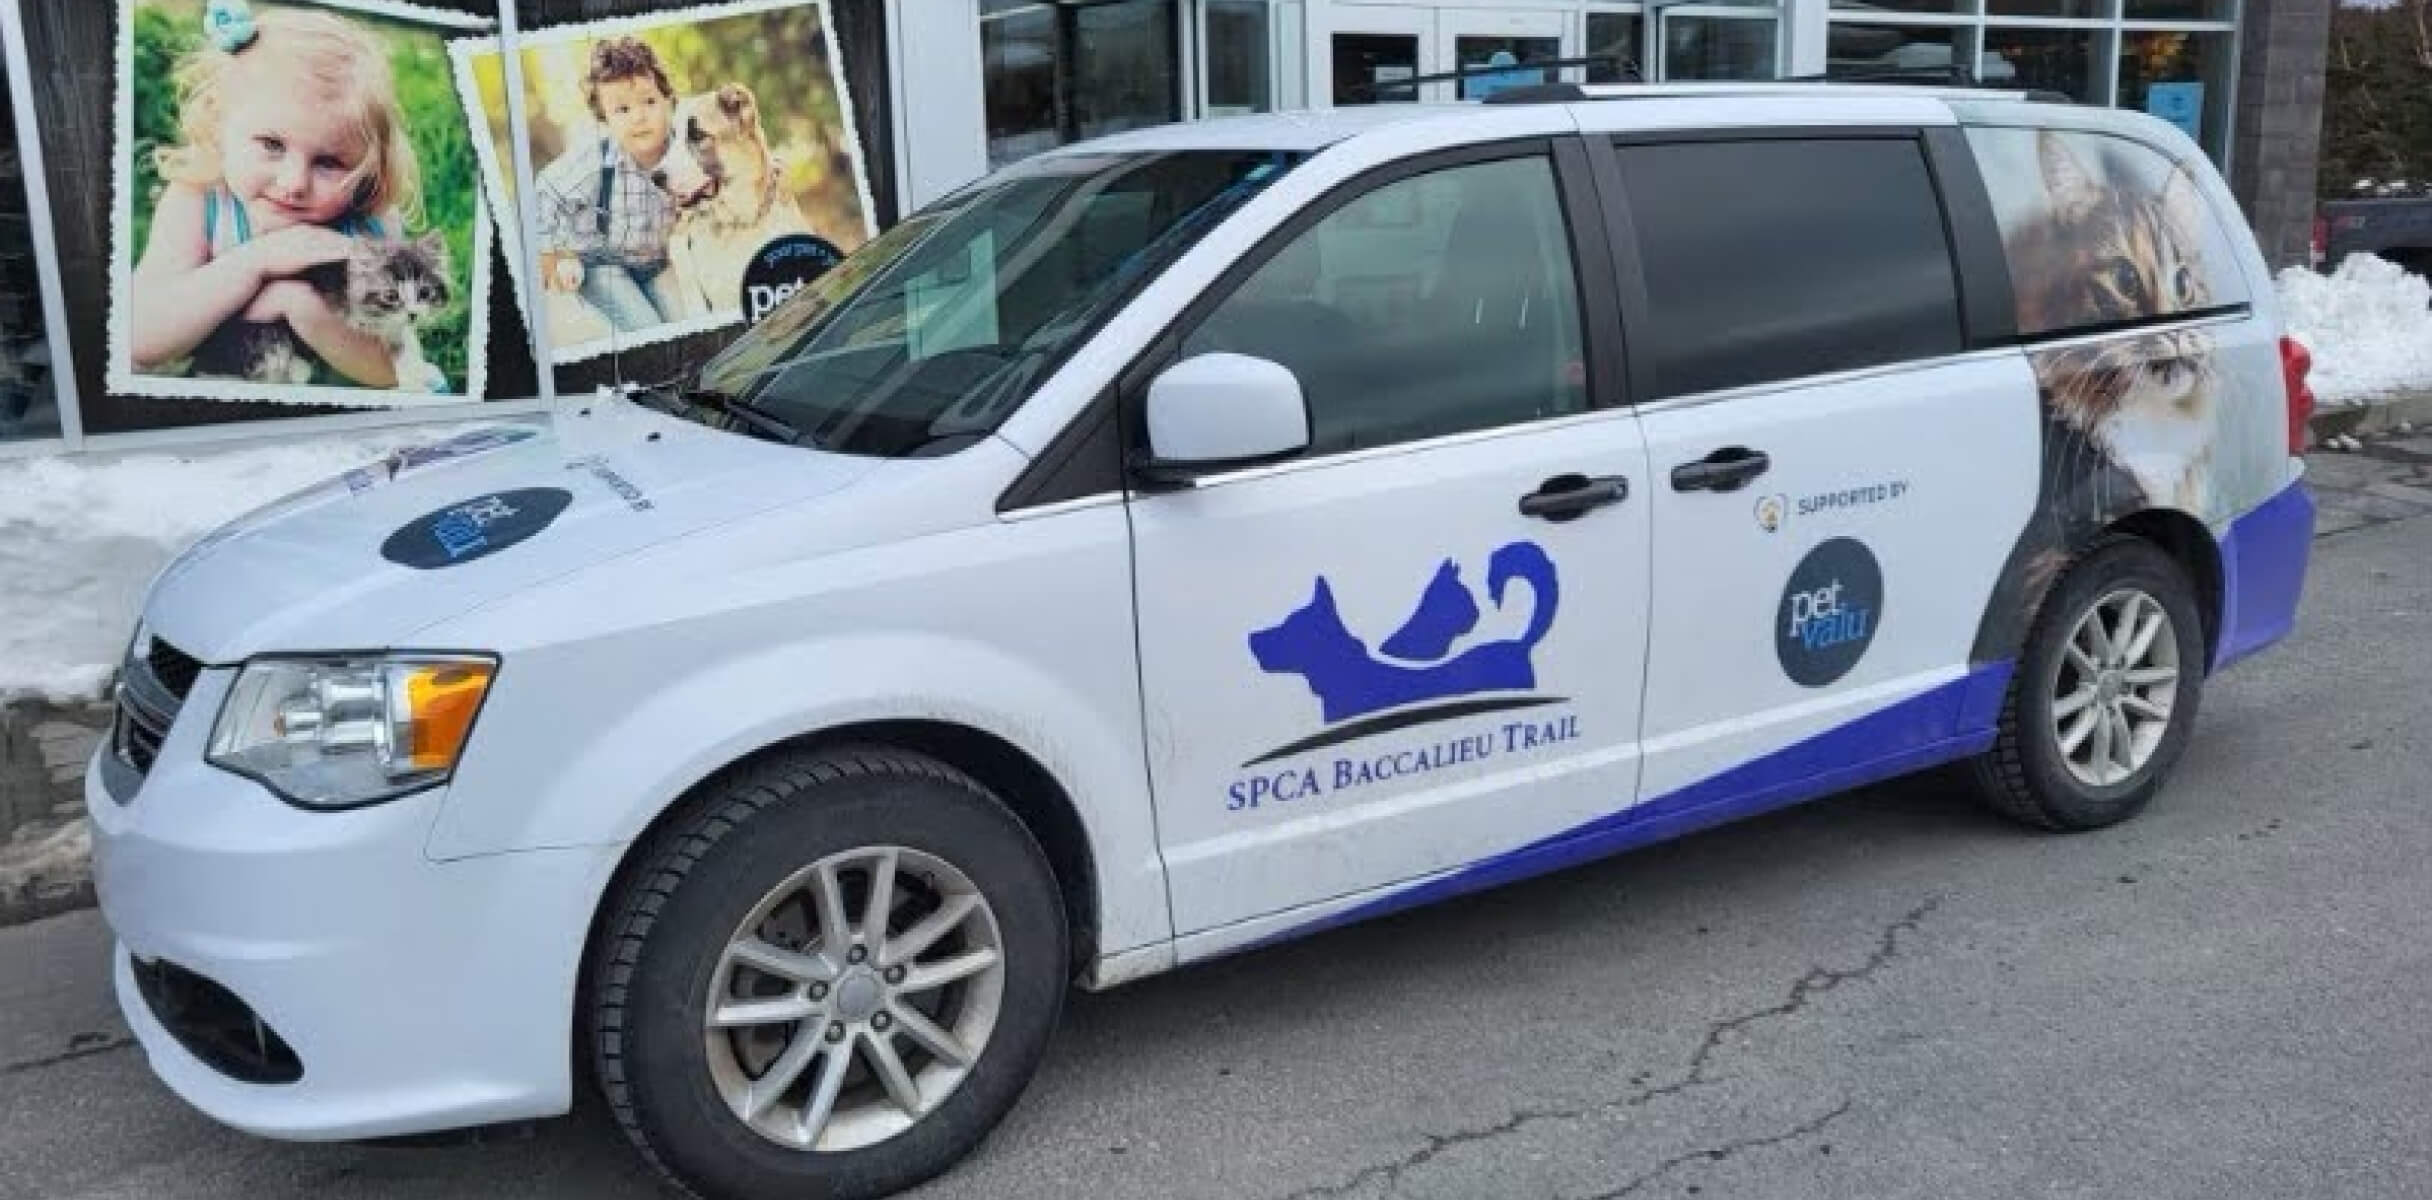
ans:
(1239, 73)
(2073, 9)
(2181, 10)
(1704, 47)
(1893, 6)
(2068, 61)
(2179, 77)
(1614, 38)
(1366, 65)
(1059, 73)
(28, 405)
(1855, 49)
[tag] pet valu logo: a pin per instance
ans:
(783, 267)
(474, 528)
(1418, 674)
(1830, 610)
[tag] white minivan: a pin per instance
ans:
(1174, 543)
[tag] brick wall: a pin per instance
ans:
(2277, 134)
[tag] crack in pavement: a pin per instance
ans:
(1803, 990)
(1726, 1150)
(80, 1046)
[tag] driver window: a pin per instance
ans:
(1436, 304)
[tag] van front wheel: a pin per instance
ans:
(2102, 701)
(830, 978)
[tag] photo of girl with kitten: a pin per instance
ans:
(279, 248)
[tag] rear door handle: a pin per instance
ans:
(1567, 496)
(1726, 470)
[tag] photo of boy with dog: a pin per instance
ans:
(298, 213)
(666, 151)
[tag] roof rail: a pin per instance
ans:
(1953, 76)
(1634, 82)
(1627, 66)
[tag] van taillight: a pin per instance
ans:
(2295, 363)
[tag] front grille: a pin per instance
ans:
(214, 1025)
(174, 668)
(152, 686)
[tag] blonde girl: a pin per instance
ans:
(291, 141)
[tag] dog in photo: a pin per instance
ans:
(729, 198)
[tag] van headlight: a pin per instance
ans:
(340, 732)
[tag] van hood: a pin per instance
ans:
(366, 558)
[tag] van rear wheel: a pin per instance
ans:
(2103, 699)
(830, 978)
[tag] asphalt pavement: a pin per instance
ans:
(1883, 994)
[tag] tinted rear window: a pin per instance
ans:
(1771, 260)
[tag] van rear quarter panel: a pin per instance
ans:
(2116, 223)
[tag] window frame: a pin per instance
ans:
(1591, 273)
(1978, 324)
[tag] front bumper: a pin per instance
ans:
(416, 995)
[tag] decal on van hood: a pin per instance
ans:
(338, 566)
(1417, 665)
(478, 527)
(463, 445)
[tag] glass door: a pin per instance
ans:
(1368, 48)
(1470, 38)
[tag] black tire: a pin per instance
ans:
(704, 872)
(2024, 776)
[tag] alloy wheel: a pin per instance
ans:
(854, 999)
(2114, 687)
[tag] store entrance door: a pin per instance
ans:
(1369, 48)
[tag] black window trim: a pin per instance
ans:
(1988, 306)
(1630, 271)
(2235, 310)
(1599, 312)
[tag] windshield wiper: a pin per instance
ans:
(723, 411)
(745, 412)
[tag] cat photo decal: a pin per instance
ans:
(2102, 232)
(1422, 671)
(2109, 236)
(298, 213)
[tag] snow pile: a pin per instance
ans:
(37, 865)
(81, 538)
(2368, 324)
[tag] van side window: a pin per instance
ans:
(1774, 259)
(1434, 304)
(2102, 231)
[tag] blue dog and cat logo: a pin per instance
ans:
(1419, 674)
(1415, 663)
(1830, 610)
(474, 528)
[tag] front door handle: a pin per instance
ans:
(1726, 470)
(1567, 496)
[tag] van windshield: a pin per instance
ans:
(925, 339)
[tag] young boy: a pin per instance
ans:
(603, 222)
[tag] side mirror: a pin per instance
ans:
(1218, 410)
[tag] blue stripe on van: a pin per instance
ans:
(1938, 725)
(2263, 561)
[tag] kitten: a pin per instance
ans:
(2104, 253)
(389, 288)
